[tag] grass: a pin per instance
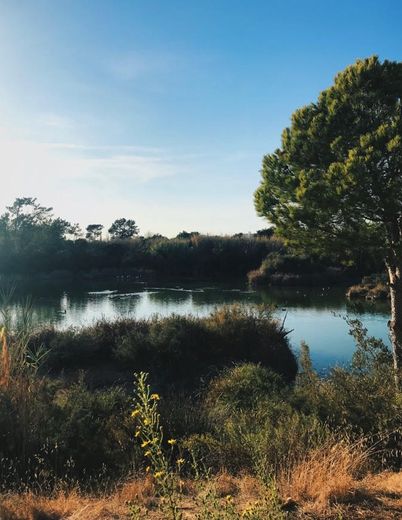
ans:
(326, 475)
(375, 497)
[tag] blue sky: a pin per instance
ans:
(162, 110)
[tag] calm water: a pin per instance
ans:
(314, 315)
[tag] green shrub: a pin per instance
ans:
(50, 434)
(240, 388)
(252, 334)
(259, 439)
(287, 269)
(177, 350)
(362, 396)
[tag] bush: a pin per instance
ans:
(50, 434)
(291, 270)
(240, 388)
(362, 397)
(252, 334)
(175, 350)
(371, 288)
(259, 439)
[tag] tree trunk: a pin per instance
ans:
(395, 324)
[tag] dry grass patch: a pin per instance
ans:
(376, 497)
(226, 485)
(250, 488)
(141, 491)
(71, 506)
(327, 475)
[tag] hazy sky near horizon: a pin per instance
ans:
(161, 110)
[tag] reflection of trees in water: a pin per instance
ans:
(170, 296)
(368, 307)
(125, 305)
(318, 298)
(224, 297)
(40, 314)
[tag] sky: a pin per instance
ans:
(161, 110)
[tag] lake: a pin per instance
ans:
(316, 316)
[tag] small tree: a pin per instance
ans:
(123, 229)
(94, 232)
(187, 234)
(26, 213)
(26, 224)
(335, 185)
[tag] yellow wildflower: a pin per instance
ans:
(147, 422)
(147, 453)
(172, 442)
(180, 461)
(137, 433)
(145, 444)
(228, 498)
(159, 474)
(155, 397)
(135, 413)
(147, 469)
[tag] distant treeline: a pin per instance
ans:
(33, 241)
(208, 256)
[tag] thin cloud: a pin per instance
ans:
(66, 175)
(134, 65)
(24, 159)
(56, 121)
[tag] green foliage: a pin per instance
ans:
(123, 229)
(361, 398)
(92, 429)
(165, 468)
(287, 269)
(187, 234)
(177, 350)
(94, 231)
(252, 423)
(30, 236)
(335, 184)
(200, 255)
(240, 388)
(49, 433)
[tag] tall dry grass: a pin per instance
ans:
(5, 360)
(328, 474)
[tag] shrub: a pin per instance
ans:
(371, 288)
(92, 431)
(240, 388)
(287, 269)
(252, 334)
(50, 434)
(177, 350)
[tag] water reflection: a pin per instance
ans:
(315, 315)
